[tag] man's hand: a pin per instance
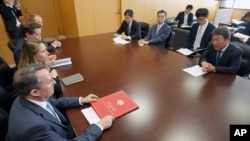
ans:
(207, 67)
(89, 98)
(106, 122)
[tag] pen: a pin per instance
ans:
(189, 65)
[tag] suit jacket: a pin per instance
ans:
(30, 122)
(9, 18)
(135, 31)
(19, 46)
(180, 18)
(245, 31)
(160, 38)
(206, 37)
(230, 60)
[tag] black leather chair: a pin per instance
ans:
(12, 44)
(245, 62)
(170, 40)
(180, 38)
(144, 28)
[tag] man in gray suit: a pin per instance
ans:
(34, 116)
(159, 32)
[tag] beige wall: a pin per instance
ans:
(145, 10)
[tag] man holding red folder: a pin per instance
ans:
(34, 115)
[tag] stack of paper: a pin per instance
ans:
(61, 62)
(195, 70)
(119, 40)
(240, 35)
(188, 52)
(72, 79)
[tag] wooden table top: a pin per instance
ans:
(174, 106)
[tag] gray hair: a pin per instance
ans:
(25, 79)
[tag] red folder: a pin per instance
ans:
(116, 104)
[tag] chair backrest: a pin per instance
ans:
(180, 38)
(12, 44)
(6, 74)
(245, 62)
(144, 28)
(170, 40)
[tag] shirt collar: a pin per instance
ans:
(39, 103)
(222, 50)
(8, 5)
(205, 25)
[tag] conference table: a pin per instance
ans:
(173, 105)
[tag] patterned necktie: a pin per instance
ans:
(52, 111)
(198, 38)
(218, 57)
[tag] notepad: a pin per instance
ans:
(61, 62)
(72, 79)
(195, 71)
(119, 40)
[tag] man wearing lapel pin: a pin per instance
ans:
(221, 56)
(159, 32)
(34, 115)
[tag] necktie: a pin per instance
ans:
(218, 57)
(158, 28)
(198, 38)
(52, 111)
(129, 29)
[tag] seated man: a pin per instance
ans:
(221, 56)
(185, 17)
(129, 26)
(35, 18)
(159, 32)
(200, 33)
(246, 30)
(35, 116)
(29, 31)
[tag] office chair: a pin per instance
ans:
(144, 28)
(12, 44)
(244, 70)
(180, 38)
(170, 40)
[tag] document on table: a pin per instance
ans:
(119, 40)
(188, 52)
(61, 62)
(239, 35)
(90, 115)
(195, 70)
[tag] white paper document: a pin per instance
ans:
(185, 51)
(119, 40)
(61, 62)
(239, 35)
(90, 115)
(195, 70)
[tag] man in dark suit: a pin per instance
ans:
(129, 26)
(185, 17)
(200, 34)
(159, 32)
(221, 56)
(34, 116)
(246, 30)
(11, 13)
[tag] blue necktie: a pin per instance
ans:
(52, 111)
(218, 57)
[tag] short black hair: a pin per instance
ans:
(129, 12)
(247, 14)
(222, 30)
(201, 12)
(189, 6)
(162, 11)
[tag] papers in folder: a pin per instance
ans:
(61, 62)
(116, 104)
(119, 40)
(195, 71)
(188, 52)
